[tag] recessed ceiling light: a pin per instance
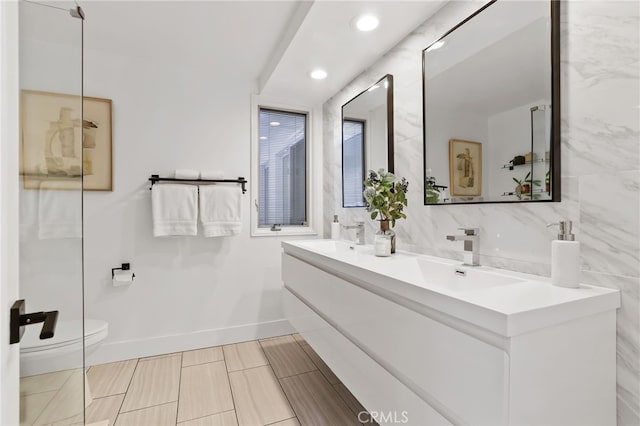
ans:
(318, 74)
(437, 45)
(274, 123)
(372, 88)
(263, 138)
(367, 23)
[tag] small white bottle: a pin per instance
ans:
(565, 257)
(335, 228)
(382, 245)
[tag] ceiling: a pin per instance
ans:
(270, 45)
(228, 40)
(326, 38)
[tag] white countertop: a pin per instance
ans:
(526, 303)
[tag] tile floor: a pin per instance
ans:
(279, 381)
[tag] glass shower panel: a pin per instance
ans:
(540, 148)
(52, 385)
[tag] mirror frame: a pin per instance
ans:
(390, 133)
(554, 160)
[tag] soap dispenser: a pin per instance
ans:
(335, 228)
(565, 257)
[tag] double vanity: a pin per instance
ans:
(427, 341)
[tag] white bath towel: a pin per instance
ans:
(220, 210)
(175, 210)
(211, 174)
(59, 210)
(186, 174)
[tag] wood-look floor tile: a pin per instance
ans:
(228, 418)
(322, 366)
(258, 397)
(148, 358)
(298, 338)
(351, 401)
(44, 382)
(286, 356)
(154, 382)
(104, 409)
(100, 409)
(244, 355)
(110, 379)
(201, 356)
(289, 422)
(31, 406)
(159, 415)
(101, 423)
(67, 402)
(315, 401)
(204, 390)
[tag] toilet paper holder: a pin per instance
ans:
(123, 267)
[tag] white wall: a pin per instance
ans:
(188, 292)
(376, 145)
(464, 125)
(9, 84)
(600, 94)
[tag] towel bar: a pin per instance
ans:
(242, 181)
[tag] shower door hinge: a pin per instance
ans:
(77, 13)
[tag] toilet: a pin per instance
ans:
(64, 350)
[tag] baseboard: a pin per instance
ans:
(130, 349)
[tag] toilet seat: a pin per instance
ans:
(67, 338)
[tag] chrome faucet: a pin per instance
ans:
(359, 227)
(471, 242)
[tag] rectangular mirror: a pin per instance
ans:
(367, 138)
(492, 107)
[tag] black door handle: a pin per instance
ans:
(19, 320)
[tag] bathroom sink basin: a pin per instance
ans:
(421, 270)
(456, 277)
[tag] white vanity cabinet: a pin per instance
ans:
(412, 361)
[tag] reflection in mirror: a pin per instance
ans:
(367, 138)
(491, 107)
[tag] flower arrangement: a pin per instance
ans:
(386, 196)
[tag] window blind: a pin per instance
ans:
(353, 163)
(283, 168)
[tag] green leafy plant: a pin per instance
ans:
(385, 195)
(525, 185)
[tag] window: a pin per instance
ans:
(282, 173)
(353, 163)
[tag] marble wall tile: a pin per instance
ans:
(600, 149)
(600, 50)
(627, 342)
(610, 223)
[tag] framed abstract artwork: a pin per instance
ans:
(65, 141)
(465, 167)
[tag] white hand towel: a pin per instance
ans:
(186, 174)
(220, 210)
(211, 174)
(175, 210)
(59, 211)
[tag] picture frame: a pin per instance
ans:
(465, 168)
(66, 142)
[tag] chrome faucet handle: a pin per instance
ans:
(470, 231)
